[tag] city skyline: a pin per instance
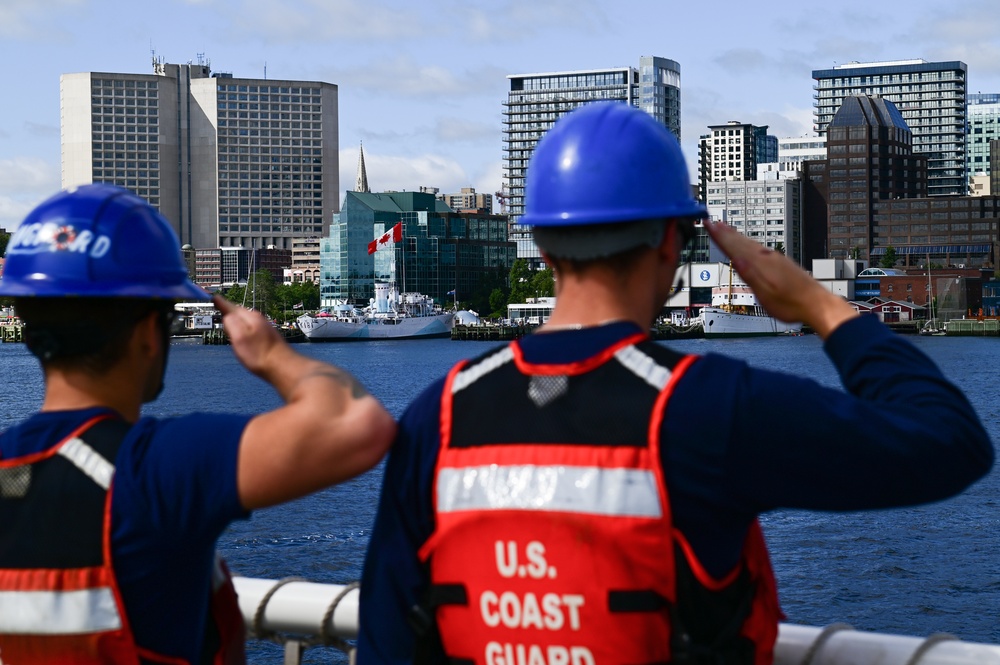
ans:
(423, 88)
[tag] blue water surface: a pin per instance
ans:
(911, 571)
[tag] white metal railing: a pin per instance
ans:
(299, 613)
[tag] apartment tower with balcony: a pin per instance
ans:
(535, 101)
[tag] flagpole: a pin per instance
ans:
(402, 256)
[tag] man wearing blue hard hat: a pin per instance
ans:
(109, 520)
(586, 495)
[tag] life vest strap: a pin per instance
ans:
(447, 594)
(645, 600)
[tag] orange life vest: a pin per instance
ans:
(554, 543)
(59, 597)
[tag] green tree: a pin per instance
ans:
(520, 278)
(290, 295)
(889, 258)
(525, 283)
(543, 283)
(498, 303)
(855, 252)
(779, 247)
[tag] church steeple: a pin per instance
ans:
(362, 183)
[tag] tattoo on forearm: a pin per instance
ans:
(343, 378)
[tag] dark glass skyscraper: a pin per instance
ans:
(930, 96)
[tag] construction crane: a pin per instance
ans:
(501, 195)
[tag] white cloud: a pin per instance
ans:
(402, 75)
(489, 179)
(451, 129)
(323, 20)
(523, 20)
(402, 173)
(967, 32)
(30, 19)
(24, 183)
(40, 130)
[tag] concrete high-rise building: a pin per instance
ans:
(930, 96)
(468, 199)
(984, 127)
(536, 101)
(768, 211)
(228, 161)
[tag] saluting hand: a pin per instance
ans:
(783, 288)
(255, 342)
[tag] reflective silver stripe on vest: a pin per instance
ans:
(88, 460)
(58, 612)
(467, 377)
(570, 489)
(643, 367)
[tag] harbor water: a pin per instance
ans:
(914, 571)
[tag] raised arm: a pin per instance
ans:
(784, 289)
(329, 430)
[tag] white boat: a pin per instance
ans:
(390, 315)
(735, 312)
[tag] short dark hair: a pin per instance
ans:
(84, 333)
(563, 245)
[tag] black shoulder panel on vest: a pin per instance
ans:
(58, 522)
(608, 405)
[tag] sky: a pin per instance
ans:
(421, 84)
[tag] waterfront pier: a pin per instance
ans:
(490, 333)
(11, 333)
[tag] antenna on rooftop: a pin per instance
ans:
(265, 69)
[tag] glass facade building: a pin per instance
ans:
(984, 126)
(228, 161)
(443, 254)
(931, 96)
(536, 101)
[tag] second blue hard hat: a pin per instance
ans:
(96, 241)
(607, 162)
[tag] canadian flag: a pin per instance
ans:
(395, 234)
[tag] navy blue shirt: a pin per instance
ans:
(818, 448)
(173, 494)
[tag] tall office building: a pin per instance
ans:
(984, 127)
(870, 159)
(536, 101)
(931, 96)
(229, 161)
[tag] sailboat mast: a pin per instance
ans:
(930, 290)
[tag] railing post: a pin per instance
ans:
(293, 652)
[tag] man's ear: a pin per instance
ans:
(147, 333)
(671, 244)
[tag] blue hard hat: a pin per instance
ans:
(96, 241)
(607, 162)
